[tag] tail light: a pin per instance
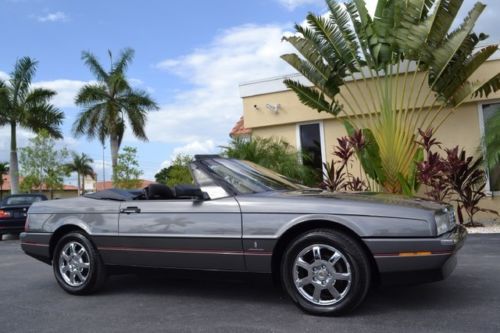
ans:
(27, 223)
(4, 214)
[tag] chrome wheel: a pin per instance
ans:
(74, 264)
(322, 274)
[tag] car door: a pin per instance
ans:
(186, 233)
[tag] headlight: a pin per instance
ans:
(445, 220)
(441, 223)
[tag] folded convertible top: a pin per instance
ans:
(115, 194)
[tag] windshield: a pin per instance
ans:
(248, 177)
(22, 200)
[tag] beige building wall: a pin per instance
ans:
(463, 127)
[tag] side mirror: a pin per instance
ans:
(190, 192)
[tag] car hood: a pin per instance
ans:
(323, 202)
(373, 198)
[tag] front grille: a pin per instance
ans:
(451, 217)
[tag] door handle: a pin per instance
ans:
(130, 210)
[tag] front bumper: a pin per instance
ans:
(417, 260)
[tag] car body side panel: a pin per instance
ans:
(266, 217)
(181, 234)
(98, 218)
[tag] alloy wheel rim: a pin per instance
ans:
(74, 264)
(322, 274)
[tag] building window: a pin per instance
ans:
(491, 122)
(311, 145)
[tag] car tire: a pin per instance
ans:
(326, 272)
(78, 267)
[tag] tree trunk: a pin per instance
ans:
(114, 145)
(83, 184)
(78, 186)
(14, 165)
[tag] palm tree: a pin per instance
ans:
(111, 101)
(391, 74)
(4, 169)
(82, 165)
(22, 106)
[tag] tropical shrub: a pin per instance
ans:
(455, 177)
(275, 154)
(402, 63)
(336, 174)
(432, 171)
(177, 173)
(467, 179)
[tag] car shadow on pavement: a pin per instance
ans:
(259, 289)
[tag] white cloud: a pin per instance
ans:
(4, 76)
(192, 148)
(53, 17)
(97, 165)
(371, 5)
(292, 4)
(209, 110)
(66, 90)
(22, 140)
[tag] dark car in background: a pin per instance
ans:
(13, 212)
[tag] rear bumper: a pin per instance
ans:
(12, 225)
(417, 260)
(36, 245)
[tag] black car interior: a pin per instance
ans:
(153, 191)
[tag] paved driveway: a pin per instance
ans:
(30, 301)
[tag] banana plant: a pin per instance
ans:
(390, 74)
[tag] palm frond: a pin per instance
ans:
(443, 18)
(21, 77)
(330, 85)
(44, 117)
(91, 122)
(39, 96)
(94, 66)
(332, 37)
(91, 94)
(312, 98)
(444, 54)
(124, 60)
(461, 71)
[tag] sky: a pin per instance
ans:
(191, 55)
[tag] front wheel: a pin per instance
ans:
(326, 272)
(77, 266)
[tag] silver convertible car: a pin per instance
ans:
(325, 248)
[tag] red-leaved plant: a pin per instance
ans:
(432, 170)
(456, 174)
(336, 173)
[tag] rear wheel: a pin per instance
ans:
(326, 272)
(77, 266)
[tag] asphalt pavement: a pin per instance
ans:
(31, 301)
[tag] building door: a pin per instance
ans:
(311, 144)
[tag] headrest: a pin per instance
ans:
(158, 192)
